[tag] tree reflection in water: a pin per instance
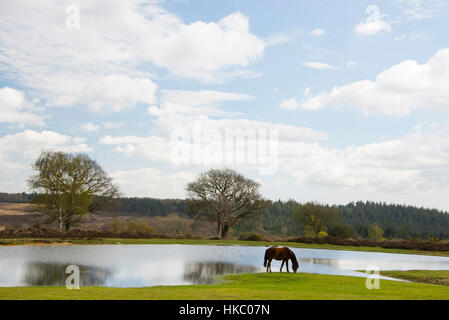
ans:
(329, 262)
(53, 274)
(207, 272)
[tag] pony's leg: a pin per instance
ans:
(282, 264)
(286, 262)
(269, 264)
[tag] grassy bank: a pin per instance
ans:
(440, 277)
(98, 241)
(248, 286)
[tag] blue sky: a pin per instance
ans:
(357, 92)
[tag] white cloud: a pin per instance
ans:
(289, 104)
(318, 32)
(395, 91)
(16, 109)
(281, 38)
(319, 65)
(406, 165)
(29, 143)
(372, 28)
(202, 97)
(413, 36)
(351, 63)
(417, 35)
(417, 161)
(113, 92)
(117, 92)
(90, 127)
(373, 23)
(153, 148)
(180, 109)
(400, 38)
(99, 64)
(159, 148)
(206, 47)
(149, 182)
(113, 124)
(19, 150)
(420, 9)
(172, 117)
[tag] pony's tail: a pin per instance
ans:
(265, 259)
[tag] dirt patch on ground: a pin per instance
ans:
(15, 209)
(18, 215)
(25, 242)
(443, 281)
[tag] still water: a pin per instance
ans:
(151, 265)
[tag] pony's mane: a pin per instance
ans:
(293, 256)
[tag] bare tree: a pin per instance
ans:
(224, 197)
(68, 186)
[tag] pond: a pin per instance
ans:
(151, 265)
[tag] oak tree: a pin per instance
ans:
(69, 186)
(224, 197)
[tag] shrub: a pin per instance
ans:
(117, 225)
(322, 234)
(140, 227)
(189, 235)
(250, 236)
(123, 228)
(341, 231)
(375, 232)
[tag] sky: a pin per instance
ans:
(328, 101)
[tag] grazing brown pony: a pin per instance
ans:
(283, 254)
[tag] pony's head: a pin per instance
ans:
(295, 265)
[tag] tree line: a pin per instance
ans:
(356, 218)
(67, 187)
(366, 220)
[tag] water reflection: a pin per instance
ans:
(207, 272)
(152, 265)
(329, 262)
(53, 274)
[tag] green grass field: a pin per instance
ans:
(257, 286)
(43, 241)
(440, 277)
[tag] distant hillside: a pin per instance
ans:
(15, 197)
(17, 215)
(134, 206)
(397, 221)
